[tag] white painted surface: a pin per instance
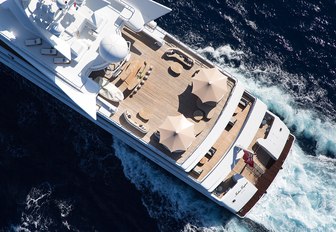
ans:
(276, 138)
(150, 10)
(113, 48)
(240, 194)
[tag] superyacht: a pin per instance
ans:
(111, 62)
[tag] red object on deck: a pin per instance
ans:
(248, 158)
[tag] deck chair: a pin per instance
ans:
(198, 170)
(49, 51)
(61, 60)
(33, 42)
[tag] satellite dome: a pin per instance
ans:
(61, 4)
(113, 48)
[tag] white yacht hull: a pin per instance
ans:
(30, 73)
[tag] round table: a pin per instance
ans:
(176, 68)
(208, 108)
(198, 115)
(144, 114)
(199, 127)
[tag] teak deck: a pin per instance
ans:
(224, 142)
(162, 94)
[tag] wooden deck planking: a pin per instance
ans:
(224, 142)
(261, 159)
(164, 95)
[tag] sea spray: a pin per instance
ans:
(302, 196)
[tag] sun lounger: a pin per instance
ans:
(140, 127)
(49, 51)
(61, 60)
(33, 42)
(198, 170)
(232, 121)
(211, 151)
(243, 102)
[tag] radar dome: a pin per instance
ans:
(113, 48)
(61, 4)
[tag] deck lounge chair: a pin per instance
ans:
(33, 42)
(49, 51)
(211, 151)
(61, 60)
(198, 170)
(232, 121)
(243, 102)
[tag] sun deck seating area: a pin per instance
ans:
(49, 51)
(61, 60)
(105, 108)
(181, 57)
(148, 85)
(130, 120)
(243, 102)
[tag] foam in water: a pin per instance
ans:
(302, 198)
(38, 213)
(32, 217)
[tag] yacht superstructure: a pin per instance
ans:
(109, 60)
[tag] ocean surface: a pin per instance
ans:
(60, 172)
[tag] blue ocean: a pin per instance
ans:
(61, 172)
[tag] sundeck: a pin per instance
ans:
(111, 62)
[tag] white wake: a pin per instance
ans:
(302, 197)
